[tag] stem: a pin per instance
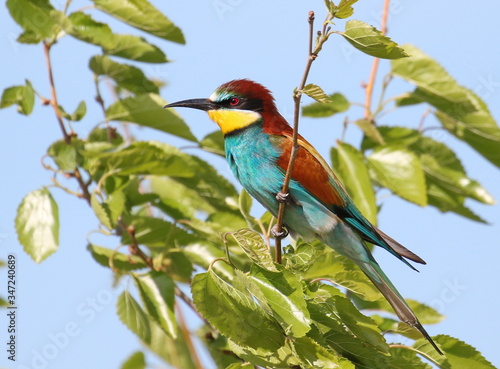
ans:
(295, 148)
(66, 6)
(373, 72)
(422, 120)
(98, 96)
(312, 55)
(53, 101)
(187, 336)
(55, 105)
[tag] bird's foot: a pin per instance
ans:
(279, 234)
(282, 197)
(285, 197)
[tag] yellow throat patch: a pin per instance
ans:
(231, 120)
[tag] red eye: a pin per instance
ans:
(234, 101)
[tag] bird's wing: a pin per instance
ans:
(315, 175)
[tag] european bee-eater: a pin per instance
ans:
(258, 143)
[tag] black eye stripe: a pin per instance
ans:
(242, 103)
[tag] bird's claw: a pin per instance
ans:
(283, 197)
(279, 234)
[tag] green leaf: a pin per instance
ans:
(402, 358)
(142, 15)
(37, 224)
(352, 171)
(425, 313)
(102, 211)
(116, 203)
(447, 201)
(407, 100)
(312, 355)
(105, 135)
(370, 130)
(399, 170)
(212, 186)
(434, 84)
(176, 262)
(124, 75)
(177, 200)
(478, 129)
(371, 41)
(158, 296)
(22, 96)
(209, 191)
(65, 155)
(322, 262)
(132, 315)
(266, 358)
(147, 110)
(240, 366)
(112, 258)
(79, 112)
(281, 292)
(344, 9)
(84, 28)
(141, 157)
(234, 313)
(392, 136)
(34, 16)
(316, 93)
(330, 6)
(459, 355)
(218, 347)
(3, 302)
(360, 325)
(337, 104)
(29, 37)
(155, 232)
(454, 181)
(363, 355)
(447, 182)
(254, 247)
(204, 253)
(135, 361)
(214, 143)
(460, 110)
(174, 352)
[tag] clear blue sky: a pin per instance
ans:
(264, 41)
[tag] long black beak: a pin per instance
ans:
(201, 104)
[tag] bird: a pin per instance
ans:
(258, 144)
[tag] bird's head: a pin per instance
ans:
(234, 105)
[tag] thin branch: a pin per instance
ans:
(422, 119)
(82, 184)
(55, 105)
(53, 101)
(98, 96)
(373, 72)
(66, 6)
(187, 336)
(279, 232)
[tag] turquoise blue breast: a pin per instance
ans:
(252, 157)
